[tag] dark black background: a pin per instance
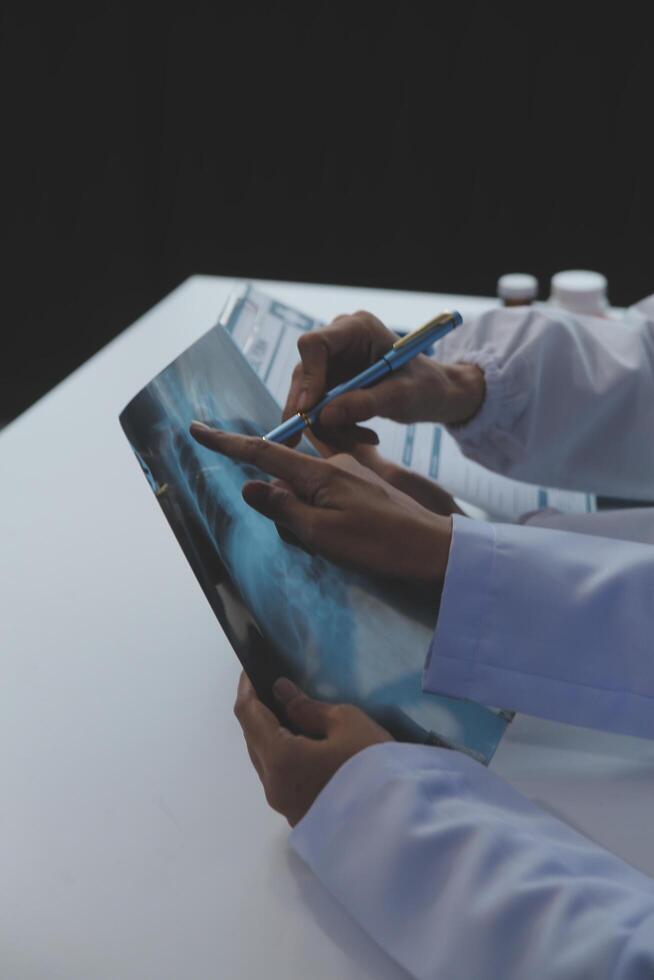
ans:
(430, 146)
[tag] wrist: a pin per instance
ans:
(435, 551)
(462, 390)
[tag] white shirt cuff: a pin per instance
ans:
(549, 622)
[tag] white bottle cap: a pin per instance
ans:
(517, 286)
(580, 291)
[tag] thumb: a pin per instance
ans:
(353, 407)
(314, 355)
(309, 716)
(279, 504)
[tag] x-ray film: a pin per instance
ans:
(342, 636)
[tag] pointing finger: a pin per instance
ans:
(303, 472)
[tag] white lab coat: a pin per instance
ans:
(463, 877)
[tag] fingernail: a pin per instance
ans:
(284, 690)
(200, 426)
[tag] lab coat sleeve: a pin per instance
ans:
(628, 524)
(569, 399)
(553, 623)
(457, 875)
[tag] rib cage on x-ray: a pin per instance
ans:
(279, 582)
(343, 636)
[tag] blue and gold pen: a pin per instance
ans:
(401, 352)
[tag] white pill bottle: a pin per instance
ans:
(517, 289)
(580, 291)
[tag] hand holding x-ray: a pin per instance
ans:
(340, 509)
(295, 766)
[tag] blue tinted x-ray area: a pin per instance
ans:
(342, 636)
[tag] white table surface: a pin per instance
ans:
(134, 838)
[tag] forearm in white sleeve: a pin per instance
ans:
(569, 399)
(553, 623)
(457, 875)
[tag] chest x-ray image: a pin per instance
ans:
(340, 635)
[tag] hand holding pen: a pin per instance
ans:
(337, 506)
(423, 390)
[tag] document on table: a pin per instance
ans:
(267, 332)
